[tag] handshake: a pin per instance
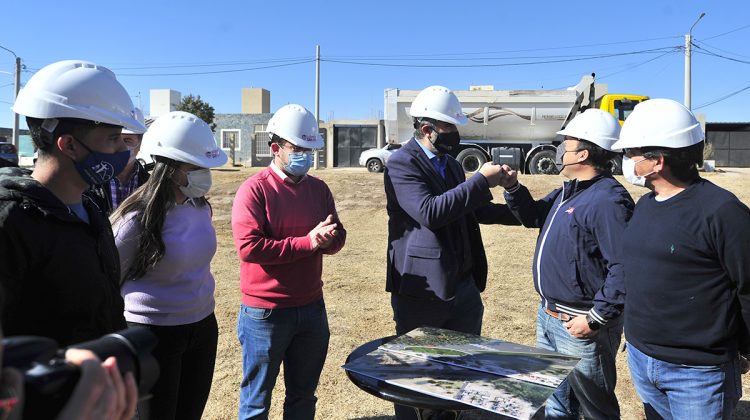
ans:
(502, 175)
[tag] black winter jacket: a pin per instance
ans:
(60, 276)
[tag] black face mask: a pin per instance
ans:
(447, 143)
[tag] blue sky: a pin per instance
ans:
(634, 45)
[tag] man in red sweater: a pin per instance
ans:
(283, 222)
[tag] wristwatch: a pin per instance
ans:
(593, 324)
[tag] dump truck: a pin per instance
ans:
(517, 127)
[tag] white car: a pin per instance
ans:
(375, 159)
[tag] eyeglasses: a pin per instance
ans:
(289, 147)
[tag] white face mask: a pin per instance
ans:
(199, 182)
(628, 170)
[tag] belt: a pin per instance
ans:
(559, 315)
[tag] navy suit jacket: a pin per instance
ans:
(424, 216)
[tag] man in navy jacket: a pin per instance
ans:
(436, 261)
(577, 265)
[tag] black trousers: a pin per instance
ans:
(463, 313)
(186, 356)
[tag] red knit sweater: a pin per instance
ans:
(271, 218)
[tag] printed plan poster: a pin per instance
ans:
(502, 377)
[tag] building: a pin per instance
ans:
(163, 101)
(729, 143)
(244, 137)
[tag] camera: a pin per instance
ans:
(49, 379)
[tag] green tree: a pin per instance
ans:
(196, 106)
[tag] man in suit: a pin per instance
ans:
(436, 261)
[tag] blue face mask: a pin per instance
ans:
(298, 163)
(99, 167)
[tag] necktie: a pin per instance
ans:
(439, 163)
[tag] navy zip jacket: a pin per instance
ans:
(577, 262)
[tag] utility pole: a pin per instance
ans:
(317, 98)
(688, 75)
(17, 88)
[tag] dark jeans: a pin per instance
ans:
(186, 356)
(463, 313)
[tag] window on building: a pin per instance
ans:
(230, 138)
(262, 148)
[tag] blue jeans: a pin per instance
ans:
(589, 390)
(675, 391)
(298, 337)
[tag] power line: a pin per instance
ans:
(372, 57)
(708, 52)
(726, 33)
(215, 71)
(216, 64)
(702, 44)
(727, 96)
(475, 65)
(638, 65)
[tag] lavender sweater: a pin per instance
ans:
(180, 288)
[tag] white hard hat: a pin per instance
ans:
(140, 119)
(594, 125)
(296, 125)
(183, 137)
(77, 89)
(660, 123)
(438, 103)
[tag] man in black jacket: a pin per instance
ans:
(58, 262)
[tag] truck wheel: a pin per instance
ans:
(615, 165)
(543, 162)
(471, 159)
(375, 165)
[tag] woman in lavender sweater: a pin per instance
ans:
(166, 242)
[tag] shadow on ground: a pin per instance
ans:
(375, 418)
(743, 410)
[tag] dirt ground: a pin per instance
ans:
(359, 308)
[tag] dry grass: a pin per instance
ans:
(359, 308)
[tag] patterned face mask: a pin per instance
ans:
(99, 167)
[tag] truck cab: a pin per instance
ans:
(619, 105)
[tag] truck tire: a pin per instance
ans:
(374, 165)
(471, 159)
(615, 165)
(543, 163)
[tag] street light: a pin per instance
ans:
(17, 88)
(688, 45)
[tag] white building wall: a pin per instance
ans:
(163, 101)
